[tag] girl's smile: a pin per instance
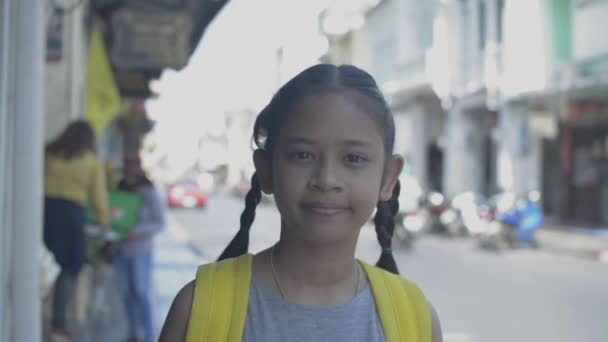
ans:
(325, 208)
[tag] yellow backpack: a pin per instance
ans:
(221, 296)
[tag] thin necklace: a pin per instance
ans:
(278, 283)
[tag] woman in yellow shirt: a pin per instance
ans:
(73, 178)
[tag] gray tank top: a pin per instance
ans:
(271, 318)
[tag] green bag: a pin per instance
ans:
(124, 211)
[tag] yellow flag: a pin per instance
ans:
(103, 98)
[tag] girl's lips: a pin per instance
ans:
(326, 211)
(324, 208)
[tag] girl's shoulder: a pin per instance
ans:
(375, 271)
(398, 296)
(176, 323)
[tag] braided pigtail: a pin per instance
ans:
(385, 226)
(240, 243)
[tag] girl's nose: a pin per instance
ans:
(326, 176)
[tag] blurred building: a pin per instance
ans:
(393, 39)
(62, 60)
(491, 95)
(553, 90)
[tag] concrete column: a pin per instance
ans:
(505, 159)
(455, 150)
(523, 152)
(410, 138)
(491, 22)
(22, 59)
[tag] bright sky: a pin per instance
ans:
(235, 66)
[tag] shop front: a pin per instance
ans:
(584, 150)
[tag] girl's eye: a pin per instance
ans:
(356, 159)
(302, 155)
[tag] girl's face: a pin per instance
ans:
(328, 169)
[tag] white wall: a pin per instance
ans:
(525, 48)
(360, 49)
(383, 38)
(65, 80)
(408, 48)
(590, 30)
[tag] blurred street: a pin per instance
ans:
(499, 110)
(523, 295)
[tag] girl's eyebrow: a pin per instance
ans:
(356, 143)
(300, 141)
(346, 142)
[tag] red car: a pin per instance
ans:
(186, 194)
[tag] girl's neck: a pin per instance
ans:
(314, 266)
(311, 274)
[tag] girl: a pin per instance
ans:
(133, 257)
(72, 176)
(325, 146)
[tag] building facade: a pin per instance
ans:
(395, 45)
(510, 95)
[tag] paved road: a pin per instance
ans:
(519, 296)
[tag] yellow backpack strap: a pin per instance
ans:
(401, 305)
(219, 305)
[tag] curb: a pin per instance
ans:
(574, 243)
(598, 255)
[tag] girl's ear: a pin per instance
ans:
(391, 176)
(263, 168)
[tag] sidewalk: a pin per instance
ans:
(175, 265)
(100, 306)
(590, 243)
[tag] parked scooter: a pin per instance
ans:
(516, 226)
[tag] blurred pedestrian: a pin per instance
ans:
(133, 258)
(73, 179)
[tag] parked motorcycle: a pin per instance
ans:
(442, 217)
(515, 226)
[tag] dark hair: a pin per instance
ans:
(75, 140)
(319, 79)
(141, 180)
